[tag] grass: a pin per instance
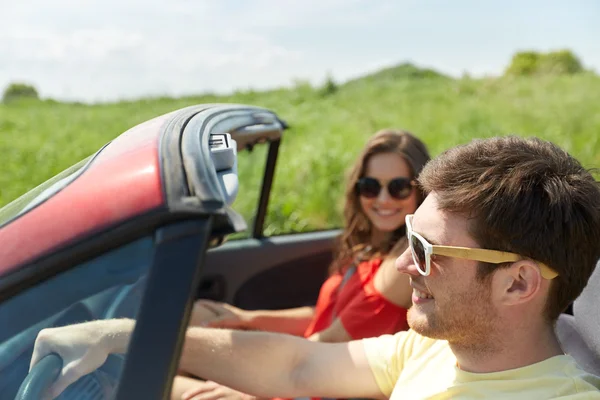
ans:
(41, 138)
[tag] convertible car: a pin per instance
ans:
(139, 230)
(136, 230)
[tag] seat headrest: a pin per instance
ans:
(586, 310)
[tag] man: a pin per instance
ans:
(482, 321)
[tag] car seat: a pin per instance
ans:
(579, 334)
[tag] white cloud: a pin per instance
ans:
(93, 44)
(110, 49)
(288, 14)
(109, 59)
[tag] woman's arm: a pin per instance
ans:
(215, 314)
(332, 334)
(393, 285)
(293, 320)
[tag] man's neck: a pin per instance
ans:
(508, 349)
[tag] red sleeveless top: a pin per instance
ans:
(363, 311)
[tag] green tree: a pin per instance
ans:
(524, 63)
(19, 90)
(330, 87)
(559, 63)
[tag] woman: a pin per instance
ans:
(364, 295)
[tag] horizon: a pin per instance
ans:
(107, 51)
(289, 86)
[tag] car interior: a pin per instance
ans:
(109, 286)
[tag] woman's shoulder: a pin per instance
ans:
(371, 264)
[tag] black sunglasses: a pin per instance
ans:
(398, 188)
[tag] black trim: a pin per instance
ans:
(248, 126)
(202, 176)
(175, 186)
(162, 320)
(187, 170)
(263, 201)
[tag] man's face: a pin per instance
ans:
(449, 304)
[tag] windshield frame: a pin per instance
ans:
(44, 191)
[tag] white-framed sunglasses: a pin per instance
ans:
(422, 250)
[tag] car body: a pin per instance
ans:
(136, 230)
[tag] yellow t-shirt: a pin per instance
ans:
(408, 366)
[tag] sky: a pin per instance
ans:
(108, 50)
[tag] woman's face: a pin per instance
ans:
(385, 212)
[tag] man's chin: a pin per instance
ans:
(421, 324)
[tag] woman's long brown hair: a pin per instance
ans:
(355, 240)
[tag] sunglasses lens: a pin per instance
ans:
(418, 252)
(368, 187)
(400, 188)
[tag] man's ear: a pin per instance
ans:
(519, 283)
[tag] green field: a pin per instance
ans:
(40, 138)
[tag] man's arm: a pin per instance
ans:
(259, 363)
(83, 347)
(273, 365)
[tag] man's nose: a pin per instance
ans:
(406, 264)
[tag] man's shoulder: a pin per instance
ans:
(584, 381)
(409, 343)
(558, 377)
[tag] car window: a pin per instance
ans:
(251, 167)
(108, 286)
(42, 192)
(298, 202)
(308, 189)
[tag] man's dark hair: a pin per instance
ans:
(525, 196)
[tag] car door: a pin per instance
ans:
(145, 266)
(262, 270)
